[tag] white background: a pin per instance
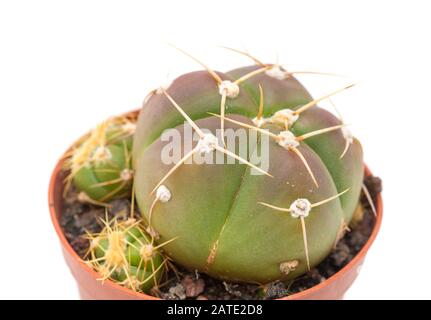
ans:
(66, 65)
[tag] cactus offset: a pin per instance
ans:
(126, 254)
(100, 164)
(231, 224)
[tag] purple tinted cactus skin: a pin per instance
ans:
(222, 230)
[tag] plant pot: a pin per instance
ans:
(333, 288)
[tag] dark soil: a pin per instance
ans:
(78, 217)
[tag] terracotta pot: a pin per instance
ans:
(333, 288)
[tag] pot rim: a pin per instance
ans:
(300, 295)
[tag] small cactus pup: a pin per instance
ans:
(125, 254)
(100, 163)
(238, 221)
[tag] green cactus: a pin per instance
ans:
(100, 164)
(125, 254)
(231, 224)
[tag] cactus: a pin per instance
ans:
(124, 253)
(100, 163)
(229, 223)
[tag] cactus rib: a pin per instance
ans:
(302, 218)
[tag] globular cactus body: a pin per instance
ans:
(229, 223)
(100, 165)
(124, 253)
